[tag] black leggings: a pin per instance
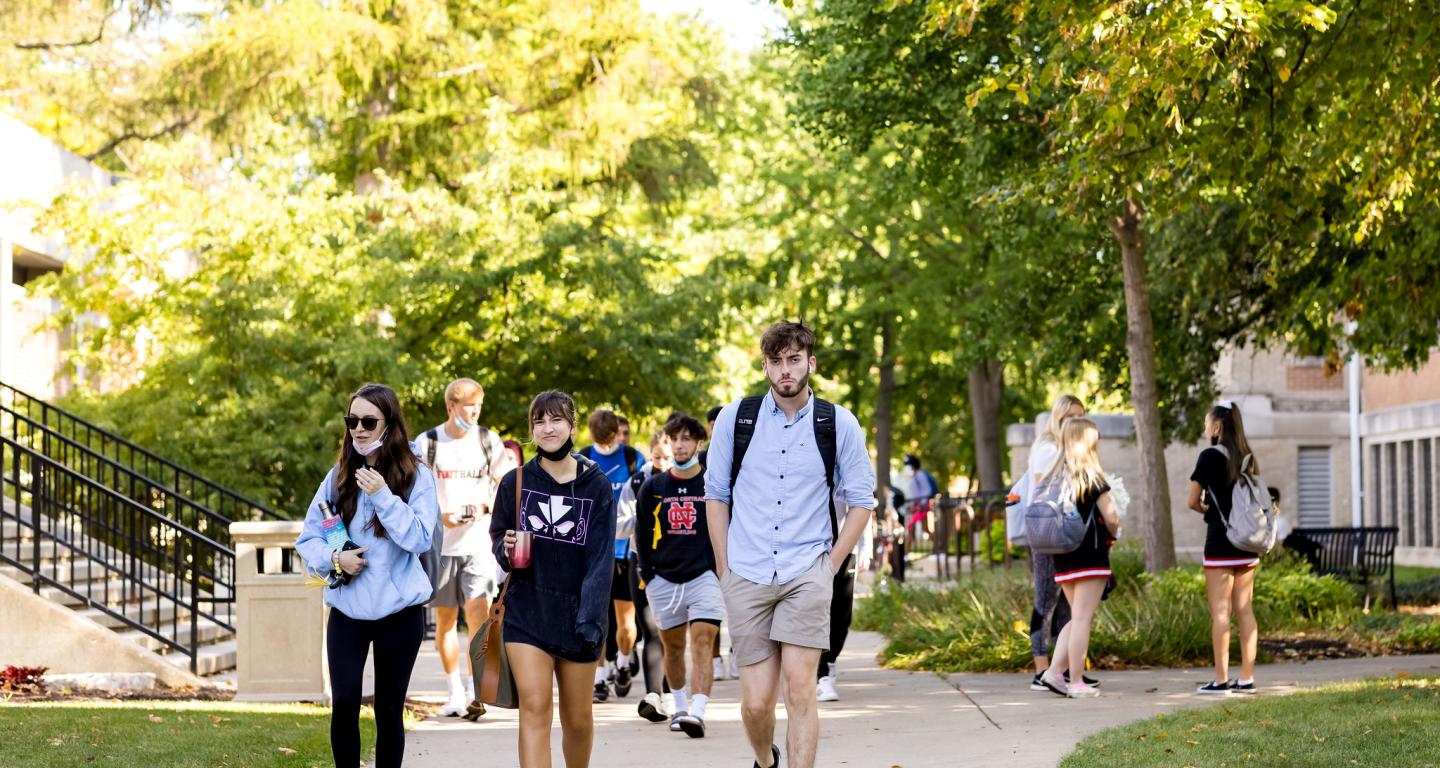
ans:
(652, 656)
(397, 641)
(842, 607)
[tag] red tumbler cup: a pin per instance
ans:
(520, 555)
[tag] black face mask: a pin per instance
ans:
(558, 454)
(1214, 439)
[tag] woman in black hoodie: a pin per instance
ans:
(557, 608)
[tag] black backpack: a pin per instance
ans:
(824, 422)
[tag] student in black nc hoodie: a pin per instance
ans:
(557, 608)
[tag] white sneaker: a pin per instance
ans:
(652, 708)
(455, 707)
(825, 689)
(719, 668)
(734, 669)
(1082, 691)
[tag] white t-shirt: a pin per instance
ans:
(1040, 460)
(461, 479)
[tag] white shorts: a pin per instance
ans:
(674, 605)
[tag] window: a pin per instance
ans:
(1407, 492)
(1315, 487)
(1427, 493)
(1392, 483)
(1372, 484)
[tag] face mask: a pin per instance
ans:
(695, 459)
(559, 454)
(373, 446)
(463, 425)
(1214, 439)
(611, 450)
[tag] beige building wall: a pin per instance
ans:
(33, 169)
(1400, 429)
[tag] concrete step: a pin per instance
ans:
(55, 550)
(211, 660)
(74, 572)
(209, 633)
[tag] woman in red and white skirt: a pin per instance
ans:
(1083, 573)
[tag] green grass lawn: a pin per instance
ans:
(161, 734)
(1386, 722)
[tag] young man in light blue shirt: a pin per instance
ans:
(777, 546)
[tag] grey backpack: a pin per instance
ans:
(1250, 526)
(1052, 524)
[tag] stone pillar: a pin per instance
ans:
(279, 618)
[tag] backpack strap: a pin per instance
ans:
(632, 459)
(484, 435)
(431, 437)
(745, 417)
(823, 420)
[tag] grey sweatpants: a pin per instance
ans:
(1051, 612)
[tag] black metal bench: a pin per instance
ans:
(1355, 554)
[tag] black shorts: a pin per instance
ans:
(620, 585)
(1220, 553)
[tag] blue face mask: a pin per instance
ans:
(695, 459)
(463, 425)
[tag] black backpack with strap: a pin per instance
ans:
(823, 420)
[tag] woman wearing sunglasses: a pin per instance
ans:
(383, 499)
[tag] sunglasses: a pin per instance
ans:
(368, 422)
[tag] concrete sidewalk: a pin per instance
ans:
(886, 718)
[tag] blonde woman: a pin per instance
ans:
(1083, 573)
(1051, 612)
(1229, 571)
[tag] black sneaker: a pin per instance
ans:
(1239, 687)
(1219, 689)
(1088, 680)
(623, 681)
(1036, 685)
(774, 758)
(602, 693)
(474, 711)
(691, 725)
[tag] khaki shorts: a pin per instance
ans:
(762, 616)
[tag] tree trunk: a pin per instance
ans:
(884, 420)
(987, 388)
(1154, 496)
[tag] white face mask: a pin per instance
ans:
(372, 446)
(463, 425)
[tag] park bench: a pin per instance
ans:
(1355, 554)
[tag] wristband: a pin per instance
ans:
(335, 559)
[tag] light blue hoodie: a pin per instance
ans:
(393, 579)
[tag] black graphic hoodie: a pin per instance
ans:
(561, 602)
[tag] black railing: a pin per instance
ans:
(958, 526)
(148, 571)
(44, 427)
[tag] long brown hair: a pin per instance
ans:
(1232, 436)
(396, 462)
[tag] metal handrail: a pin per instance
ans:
(240, 506)
(220, 522)
(157, 562)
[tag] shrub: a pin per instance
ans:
(22, 679)
(1421, 592)
(982, 624)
